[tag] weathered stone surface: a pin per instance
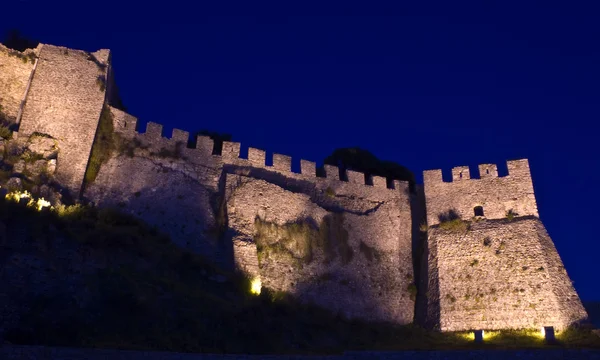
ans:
(501, 271)
(497, 275)
(36, 168)
(362, 268)
(42, 145)
(496, 195)
(15, 70)
(19, 167)
(65, 94)
(14, 184)
(51, 167)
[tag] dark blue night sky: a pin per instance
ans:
(431, 87)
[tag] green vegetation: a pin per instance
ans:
(329, 192)
(455, 225)
(104, 144)
(5, 125)
(510, 215)
(475, 262)
(5, 132)
(301, 241)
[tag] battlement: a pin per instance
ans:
(494, 196)
(516, 168)
(125, 125)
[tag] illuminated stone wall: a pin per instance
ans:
(497, 195)
(65, 100)
(15, 71)
(493, 271)
(353, 258)
(500, 274)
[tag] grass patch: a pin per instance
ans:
(5, 132)
(300, 241)
(330, 192)
(455, 225)
(511, 214)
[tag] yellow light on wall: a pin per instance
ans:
(255, 286)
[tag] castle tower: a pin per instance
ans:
(492, 265)
(65, 98)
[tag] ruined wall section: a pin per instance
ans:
(497, 195)
(15, 70)
(499, 274)
(65, 100)
(361, 270)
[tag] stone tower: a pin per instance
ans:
(64, 100)
(494, 266)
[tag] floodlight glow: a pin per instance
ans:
(255, 286)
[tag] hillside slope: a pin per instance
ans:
(81, 277)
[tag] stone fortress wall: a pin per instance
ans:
(189, 192)
(496, 195)
(64, 101)
(344, 241)
(499, 271)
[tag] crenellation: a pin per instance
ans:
(231, 151)
(205, 144)
(332, 172)
(123, 123)
(432, 176)
(308, 168)
(355, 177)
(282, 163)
(519, 168)
(257, 157)
(488, 171)
(401, 185)
(497, 196)
(153, 131)
(180, 136)
(379, 181)
(460, 173)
